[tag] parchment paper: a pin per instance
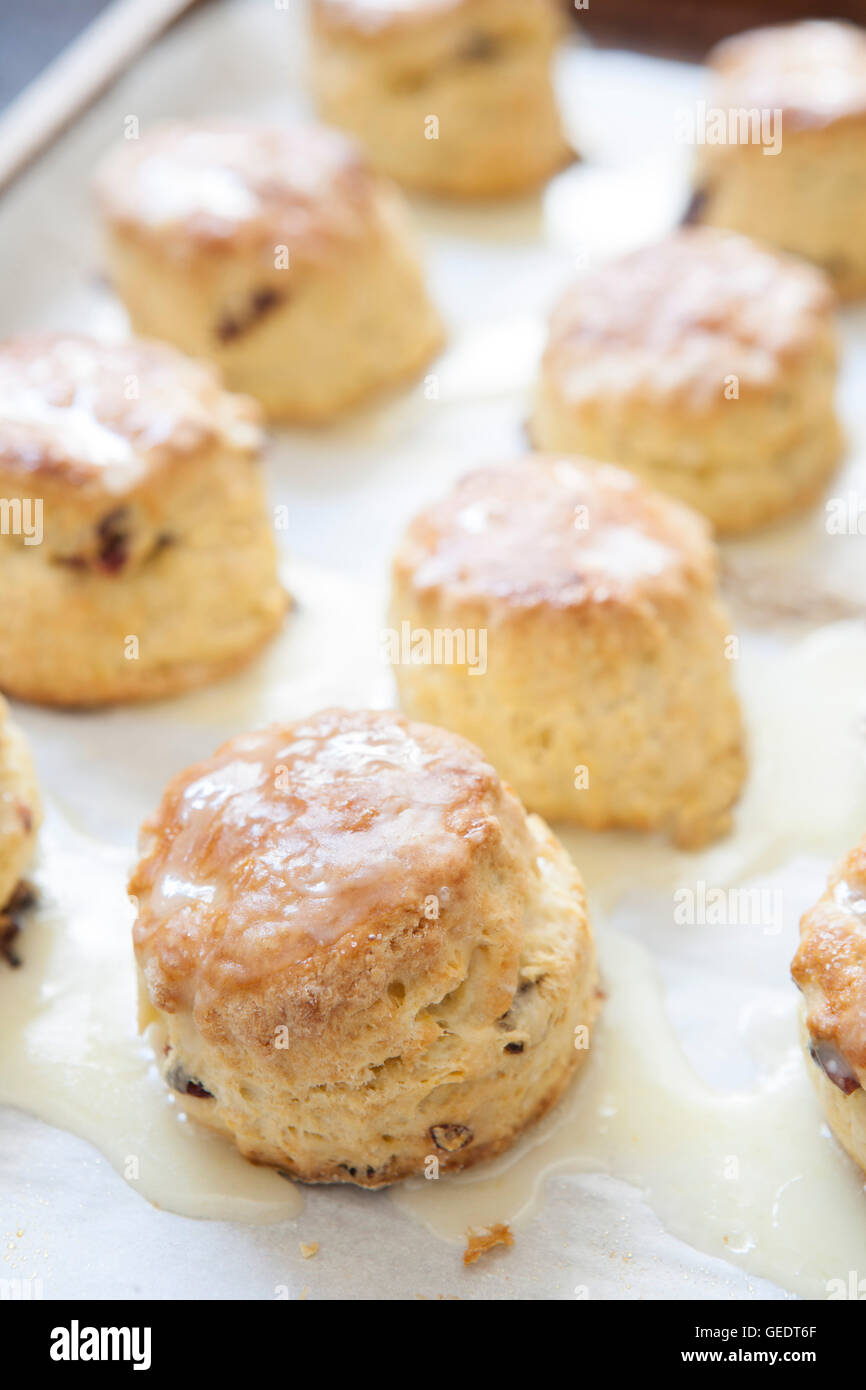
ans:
(495, 272)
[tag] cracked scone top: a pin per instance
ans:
(603, 693)
(359, 950)
(142, 561)
(274, 252)
(705, 363)
(830, 970)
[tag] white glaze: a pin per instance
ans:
(71, 1054)
(745, 1176)
(793, 1213)
(169, 191)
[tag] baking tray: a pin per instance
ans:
(714, 1003)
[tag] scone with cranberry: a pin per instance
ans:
(139, 558)
(830, 969)
(20, 815)
(275, 253)
(361, 959)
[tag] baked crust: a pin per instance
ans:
(275, 253)
(367, 889)
(107, 418)
(151, 567)
(830, 963)
(479, 69)
(20, 809)
(829, 968)
(221, 187)
(604, 696)
(338, 828)
(801, 187)
(673, 320)
(707, 365)
(559, 533)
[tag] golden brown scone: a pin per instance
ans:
(275, 253)
(603, 693)
(138, 551)
(20, 811)
(810, 197)
(707, 365)
(361, 955)
(447, 96)
(830, 969)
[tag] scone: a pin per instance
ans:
(136, 555)
(19, 821)
(447, 96)
(707, 365)
(799, 180)
(363, 961)
(275, 253)
(830, 969)
(564, 616)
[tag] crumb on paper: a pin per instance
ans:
(308, 1251)
(479, 1242)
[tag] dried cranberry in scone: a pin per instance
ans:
(275, 253)
(20, 814)
(139, 547)
(337, 922)
(830, 969)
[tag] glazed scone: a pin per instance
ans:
(580, 643)
(808, 81)
(20, 812)
(448, 96)
(707, 365)
(830, 969)
(359, 953)
(275, 253)
(138, 558)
